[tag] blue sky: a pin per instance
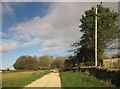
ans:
(23, 12)
(18, 13)
(40, 28)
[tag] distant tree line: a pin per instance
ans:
(44, 62)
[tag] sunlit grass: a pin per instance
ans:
(81, 79)
(20, 79)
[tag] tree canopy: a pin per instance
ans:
(45, 62)
(106, 33)
(25, 63)
(58, 62)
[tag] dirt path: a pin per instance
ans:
(50, 80)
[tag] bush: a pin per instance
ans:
(87, 64)
(26, 63)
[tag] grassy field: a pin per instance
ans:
(81, 79)
(20, 79)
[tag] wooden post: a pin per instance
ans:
(96, 36)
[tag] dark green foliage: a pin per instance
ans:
(68, 64)
(8, 69)
(87, 64)
(26, 63)
(105, 74)
(107, 33)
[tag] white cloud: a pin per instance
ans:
(56, 31)
(9, 45)
(53, 30)
(46, 49)
(31, 43)
(32, 28)
(55, 45)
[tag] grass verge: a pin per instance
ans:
(20, 79)
(81, 79)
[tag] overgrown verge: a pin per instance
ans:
(104, 74)
(81, 79)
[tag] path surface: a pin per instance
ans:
(50, 80)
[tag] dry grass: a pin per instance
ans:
(16, 75)
(112, 63)
(18, 79)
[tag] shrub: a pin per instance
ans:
(87, 64)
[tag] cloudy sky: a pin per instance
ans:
(41, 28)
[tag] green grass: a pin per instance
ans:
(20, 79)
(81, 79)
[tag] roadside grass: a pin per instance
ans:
(81, 79)
(15, 80)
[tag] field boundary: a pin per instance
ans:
(104, 74)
